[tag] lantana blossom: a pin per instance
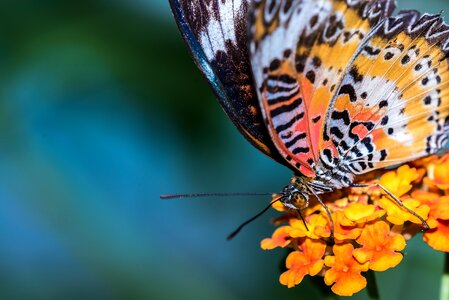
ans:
(345, 271)
(370, 228)
(307, 260)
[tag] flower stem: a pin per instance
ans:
(444, 292)
(373, 292)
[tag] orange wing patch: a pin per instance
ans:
(393, 104)
(285, 103)
(299, 54)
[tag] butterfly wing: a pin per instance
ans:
(392, 105)
(299, 53)
(215, 32)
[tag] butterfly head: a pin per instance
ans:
(294, 195)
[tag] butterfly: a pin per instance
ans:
(331, 89)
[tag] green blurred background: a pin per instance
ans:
(101, 111)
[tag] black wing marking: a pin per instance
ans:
(215, 32)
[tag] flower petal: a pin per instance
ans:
(398, 215)
(281, 238)
(438, 238)
(379, 247)
(438, 173)
(306, 261)
(343, 231)
(344, 271)
(399, 182)
(317, 227)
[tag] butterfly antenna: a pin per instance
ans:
(180, 196)
(238, 229)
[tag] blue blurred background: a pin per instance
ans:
(101, 111)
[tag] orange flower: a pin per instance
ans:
(398, 215)
(399, 182)
(277, 205)
(438, 206)
(379, 247)
(306, 261)
(369, 230)
(280, 238)
(438, 238)
(345, 271)
(317, 227)
(345, 229)
(438, 173)
(362, 213)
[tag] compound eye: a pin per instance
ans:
(299, 201)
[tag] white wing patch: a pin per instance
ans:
(220, 29)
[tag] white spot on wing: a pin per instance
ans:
(219, 31)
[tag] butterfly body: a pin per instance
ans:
(331, 89)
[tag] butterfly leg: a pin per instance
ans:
(303, 220)
(326, 209)
(396, 199)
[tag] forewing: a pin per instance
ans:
(215, 32)
(299, 54)
(393, 104)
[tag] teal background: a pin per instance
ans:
(101, 111)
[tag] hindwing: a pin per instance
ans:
(300, 52)
(395, 96)
(345, 88)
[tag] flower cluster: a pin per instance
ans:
(370, 229)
